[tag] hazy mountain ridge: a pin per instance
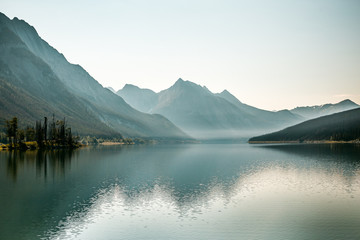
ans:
(343, 126)
(204, 114)
(197, 110)
(141, 99)
(321, 110)
(95, 102)
(274, 117)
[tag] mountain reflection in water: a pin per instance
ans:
(182, 192)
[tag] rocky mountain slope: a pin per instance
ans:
(39, 81)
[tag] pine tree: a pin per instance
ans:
(30, 133)
(39, 134)
(11, 130)
(45, 128)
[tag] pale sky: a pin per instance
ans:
(269, 54)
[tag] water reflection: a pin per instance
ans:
(55, 160)
(273, 203)
(323, 152)
(181, 192)
(344, 157)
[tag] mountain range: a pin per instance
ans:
(310, 112)
(203, 114)
(36, 81)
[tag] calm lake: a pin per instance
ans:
(198, 191)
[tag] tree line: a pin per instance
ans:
(55, 134)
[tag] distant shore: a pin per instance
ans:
(114, 143)
(306, 142)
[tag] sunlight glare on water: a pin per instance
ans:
(270, 203)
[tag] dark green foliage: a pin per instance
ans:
(39, 133)
(52, 132)
(61, 139)
(21, 138)
(60, 135)
(45, 128)
(69, 137)
(16, 136)
(30, 133)
(21, 135)
(128, 141)
(3, 138)
(11, 130)
(343, 126)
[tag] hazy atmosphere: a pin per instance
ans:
(138, 119)
(269, 54)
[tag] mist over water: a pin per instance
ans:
(207, 191)
(225, 136)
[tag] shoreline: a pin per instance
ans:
(305, 142)
(32, 145)
(113, 143)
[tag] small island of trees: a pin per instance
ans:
(54, 135)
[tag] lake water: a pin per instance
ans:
(199, 191)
